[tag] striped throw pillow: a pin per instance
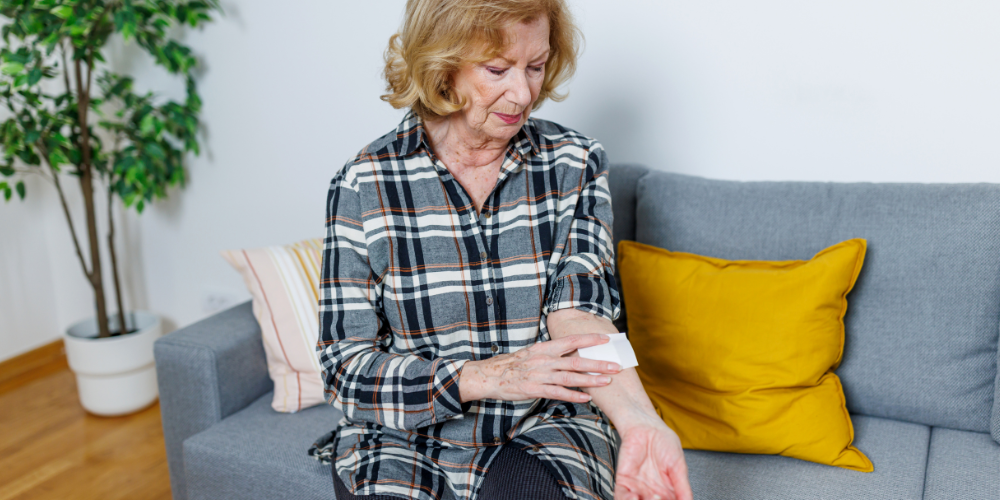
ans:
(284, 283)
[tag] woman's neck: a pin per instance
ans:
(459, 146)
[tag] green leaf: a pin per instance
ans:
(34, 76)
(6, 193)
(60, 139)
(138, 206)
(148, 124)
(56, 158)
(11, 68)
(52, 39)
(155, 150)
(128, 29)
(62, 12)
(31, 136)
(20, 189)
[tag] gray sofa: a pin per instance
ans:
(919, 368)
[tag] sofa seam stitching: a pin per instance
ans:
(927, 462)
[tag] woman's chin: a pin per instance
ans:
(502, 131)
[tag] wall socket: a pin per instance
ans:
(214, 300)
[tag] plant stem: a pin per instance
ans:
(122, 326)
(69, 220)
(90, 70)
(87, 186)
(62, 51)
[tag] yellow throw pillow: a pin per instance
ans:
(738, 355)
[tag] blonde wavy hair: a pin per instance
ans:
(439, 36)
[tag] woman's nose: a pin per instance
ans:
(519, 92)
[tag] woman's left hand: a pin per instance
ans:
(651, 463)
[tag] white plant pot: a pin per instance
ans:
(114, 375)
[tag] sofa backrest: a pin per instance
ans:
(622, 181)
(923, 320)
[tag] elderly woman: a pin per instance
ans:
(468, 256)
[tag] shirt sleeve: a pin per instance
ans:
(361, 378)
(584, 277)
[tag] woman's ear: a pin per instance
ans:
(450, 92)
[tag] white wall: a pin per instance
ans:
(843, 90)
(26, 281)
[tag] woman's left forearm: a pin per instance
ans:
(624, 400)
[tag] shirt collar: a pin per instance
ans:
(412, 135)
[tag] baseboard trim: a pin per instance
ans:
(53, 352)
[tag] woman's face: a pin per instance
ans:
(499, 93)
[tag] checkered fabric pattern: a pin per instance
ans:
(415, 283)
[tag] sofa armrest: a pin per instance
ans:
(207, 371)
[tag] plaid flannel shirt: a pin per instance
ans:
(415, 283)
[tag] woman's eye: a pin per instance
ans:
(538, 69)
(496, 71)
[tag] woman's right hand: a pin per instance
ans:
(542, 370)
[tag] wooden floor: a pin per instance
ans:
(50, 448)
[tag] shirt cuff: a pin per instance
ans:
(589, 293)
(447, 400)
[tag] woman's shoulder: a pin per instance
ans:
(389, 143)
(394, 142)
(554, 133)
(562, 141)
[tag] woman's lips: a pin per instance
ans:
(509, 119)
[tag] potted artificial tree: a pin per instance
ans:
(59, 127)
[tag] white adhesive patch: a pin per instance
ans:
(618, 350)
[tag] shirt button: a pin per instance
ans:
(482, 255)
(498, 440)
(489, 214)
(495, 348)
(489, 301)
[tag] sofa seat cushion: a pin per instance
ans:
(260, 453)
(962, 464)
(897, 449)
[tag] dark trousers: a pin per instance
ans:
(513, 475)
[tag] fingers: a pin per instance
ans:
(566, 345)
(563, 394)
(583, 365)
(657, 487)
(626, 495)
(679, 477)
(622, 492)
(573, 379)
